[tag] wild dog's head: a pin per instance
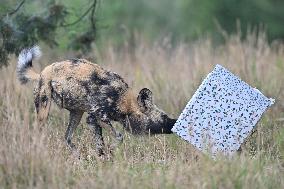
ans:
(149, 118)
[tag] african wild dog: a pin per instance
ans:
(81, 86)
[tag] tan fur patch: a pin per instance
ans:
(46, 74)
(32, 75)
(128, 103)
(66, 69)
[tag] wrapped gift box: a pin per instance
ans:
(221, 113)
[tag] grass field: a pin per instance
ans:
(38, 158)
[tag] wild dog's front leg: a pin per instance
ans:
(74, 120)
(97, 121)
(97, 131)
(106, 124)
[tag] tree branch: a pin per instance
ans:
(13, 11)
(92, 8)
(17, 8)
(93, 19)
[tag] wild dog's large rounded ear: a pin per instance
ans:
(145, 100)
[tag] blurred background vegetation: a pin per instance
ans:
(191, 19)
(81, 24)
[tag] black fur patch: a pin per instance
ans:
(113, 76)
(36, 102)
(44, 100)
(86, 86)
(40, 83)
(69, 78)
(37, 99)
(112, 93)
(98, 80)
(91, 119)
(75, 60)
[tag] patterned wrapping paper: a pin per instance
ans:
(221, 113)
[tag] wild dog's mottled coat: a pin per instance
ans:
(81, 86)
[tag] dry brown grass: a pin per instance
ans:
(34, 158)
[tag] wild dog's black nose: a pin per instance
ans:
(172, 122)
(170, 125)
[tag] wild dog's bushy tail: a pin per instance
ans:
(25, 70)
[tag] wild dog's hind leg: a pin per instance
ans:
(74, 120)
(97, 131)
(42, 100)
